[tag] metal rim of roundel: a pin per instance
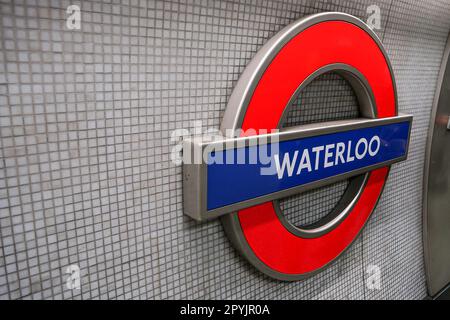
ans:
(292, 58)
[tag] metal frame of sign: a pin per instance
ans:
(195, 204)
(288, 62)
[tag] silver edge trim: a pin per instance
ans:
(195, 175)
(198, 179)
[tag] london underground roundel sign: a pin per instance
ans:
(241, 175)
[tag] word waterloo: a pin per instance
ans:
(325, 156)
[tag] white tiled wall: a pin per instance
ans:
(85, 123)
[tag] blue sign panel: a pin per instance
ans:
(301, 161)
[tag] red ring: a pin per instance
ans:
(319, 45)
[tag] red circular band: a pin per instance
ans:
(319, 45)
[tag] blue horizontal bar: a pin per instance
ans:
(230, 183)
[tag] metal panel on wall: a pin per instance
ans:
(86, 120)
(436, 204)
